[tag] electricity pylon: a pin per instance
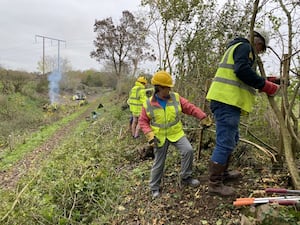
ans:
(58, 49)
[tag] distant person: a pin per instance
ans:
(96, 113)
(232, 93)
(135, 101)
(160, 122)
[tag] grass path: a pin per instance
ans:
(10, 176)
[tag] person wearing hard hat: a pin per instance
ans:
(160, 122)
(232, 93)
(135, 101)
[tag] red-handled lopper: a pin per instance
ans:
(282, 191)
(284, 200)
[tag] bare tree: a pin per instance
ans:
(288, 122)
(50, 64)
(121, 45)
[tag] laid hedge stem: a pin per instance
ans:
(19, 196)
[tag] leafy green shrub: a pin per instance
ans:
(93, 80)
(19, 113)
(14, 81)
(42, 85)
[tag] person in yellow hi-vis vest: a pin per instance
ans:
(232, 93)
(160, 122)
(135, 101)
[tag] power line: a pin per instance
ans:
(58, 49)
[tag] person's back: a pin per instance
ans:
(235, 77)
(137, 96)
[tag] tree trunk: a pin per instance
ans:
(286, 137)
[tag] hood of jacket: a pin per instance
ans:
(238, 40)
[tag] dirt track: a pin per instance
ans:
(10, 177)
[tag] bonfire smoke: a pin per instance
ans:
(54, 79)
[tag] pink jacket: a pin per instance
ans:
(187, 108)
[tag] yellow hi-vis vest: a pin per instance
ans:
(226, 87)
(137, 96)
(165, 123)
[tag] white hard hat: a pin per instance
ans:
(263, 35)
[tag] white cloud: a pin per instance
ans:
(69, 20)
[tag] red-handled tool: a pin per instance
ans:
(280, 202)
(282, 191)
(288, 200)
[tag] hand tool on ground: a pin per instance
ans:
(283, 200)
(282, 191)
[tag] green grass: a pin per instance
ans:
(93, 177)
(79, 182)
(9, 157)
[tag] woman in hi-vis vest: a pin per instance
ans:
(160, 122)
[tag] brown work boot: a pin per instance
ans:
(216, 185)
(231, 175)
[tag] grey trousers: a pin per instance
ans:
(186, 152)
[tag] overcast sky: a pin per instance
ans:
(68, 20)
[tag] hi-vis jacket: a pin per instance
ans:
(166, 123)
(137, 96)
(228, 88)
(235, 79)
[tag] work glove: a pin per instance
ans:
(206, 122)
(277, 80)
(152, 140)
(270, 88)
(274, 79)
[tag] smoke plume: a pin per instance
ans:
(54, 79)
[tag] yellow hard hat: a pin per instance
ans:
(162, 78)
(142, 80)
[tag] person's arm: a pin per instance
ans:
(190, 109)
(144, 122)
(243, 61)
